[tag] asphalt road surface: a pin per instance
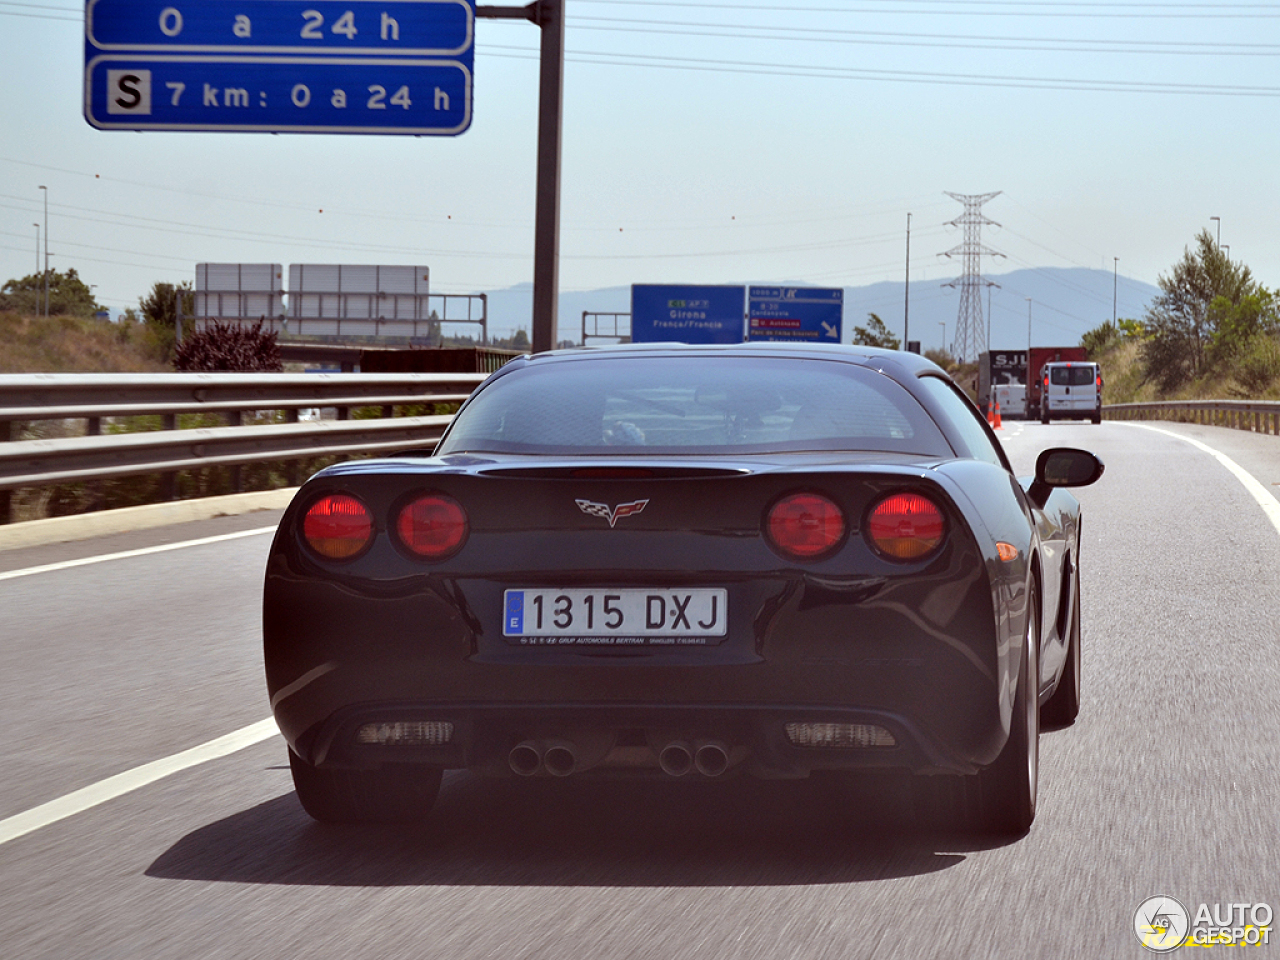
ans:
(1169, 784)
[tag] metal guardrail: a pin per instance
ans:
(96, 398)
(1259, 416)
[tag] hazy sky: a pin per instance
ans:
(704, 142)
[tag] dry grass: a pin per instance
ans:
(75, 345)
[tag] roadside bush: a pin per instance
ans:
(229, 348)
(1258, 365)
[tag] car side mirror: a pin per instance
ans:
(1063, 467)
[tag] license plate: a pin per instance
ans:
(615, 617)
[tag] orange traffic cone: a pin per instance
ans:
(997, 426)
(991, 418)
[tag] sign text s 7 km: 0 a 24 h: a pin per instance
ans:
(300, 66)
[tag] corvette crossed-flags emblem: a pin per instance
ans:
(612, 514)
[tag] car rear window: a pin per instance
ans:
(1073, 376)
(701, 403)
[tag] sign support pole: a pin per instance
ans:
(549, 16)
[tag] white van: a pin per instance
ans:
(1012, 398)
(1071, 390)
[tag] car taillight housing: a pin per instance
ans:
(805, 526)
(905, 526)
(432, 526)
(338, 527)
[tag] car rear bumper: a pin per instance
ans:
(633, 740)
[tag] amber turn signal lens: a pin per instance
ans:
(432, 526)
(338, 526)
(804, 525)
(905, 526)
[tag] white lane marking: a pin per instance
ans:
(141, 552)
(122, 783)
(1270, 506)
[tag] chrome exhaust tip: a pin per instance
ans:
(711, 758)
(676, 759)
(559, 759)
(525, 758)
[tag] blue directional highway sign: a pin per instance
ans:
(280, 66)
(686, 314)
(812, 314)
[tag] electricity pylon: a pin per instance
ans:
(971, 332)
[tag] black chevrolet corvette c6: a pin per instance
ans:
(674, 561)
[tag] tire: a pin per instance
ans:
(1063, 707)
(1000, 799)
(1097, 417)
(394, 793)
(1006, 790)
(1044, 416)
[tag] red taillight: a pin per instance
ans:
(905, 526)
(805, 525)
(338, 526)
(432, 526)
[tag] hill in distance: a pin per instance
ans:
(1065, 304)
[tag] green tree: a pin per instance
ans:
(875, 334)
(159, 311)
(1237, 325)
(68, 295)
(1182, 320)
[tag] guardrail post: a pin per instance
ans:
(169, 481)
(6, 496)
(235, 418)
(93, 489)
(292, 471)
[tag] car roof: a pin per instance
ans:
(905, 364)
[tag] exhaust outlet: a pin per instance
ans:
(559, 759)
(711, 758)
(676, 759)
(525, 758)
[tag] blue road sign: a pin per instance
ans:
(400, 28)
(686, 313)
(812, 314)
(280, 66)
(278, 94)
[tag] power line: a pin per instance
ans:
(948, 40)
(897, 76)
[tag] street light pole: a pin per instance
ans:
(1028, 299)
(46, 250)
(37, 226)
(906, 304)
(1115, 287)
(1219, 219)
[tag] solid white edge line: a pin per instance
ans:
(130, 780)
(140, 552)
(1270, 506)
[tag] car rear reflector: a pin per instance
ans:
(905, 526)
(432, 526)
(338, 526)
(408, 733)
(804, 526)
(839, 735)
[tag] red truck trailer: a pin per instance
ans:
(1037, 357)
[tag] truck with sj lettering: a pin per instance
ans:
(1000, 368)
